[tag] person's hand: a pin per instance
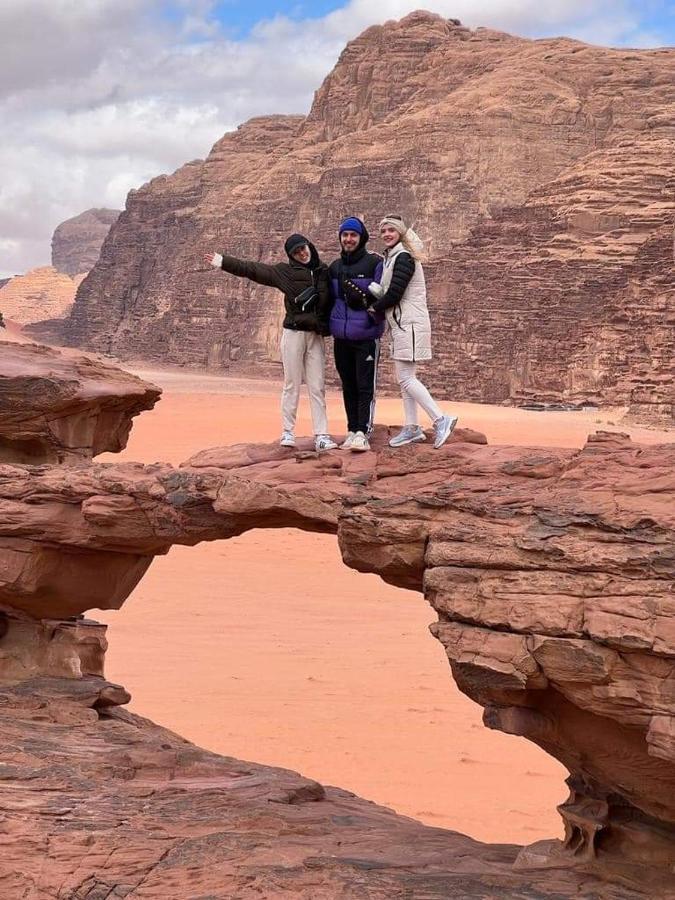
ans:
(376, 289)
(356, 297)
(213, 259)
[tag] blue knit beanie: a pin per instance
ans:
(352, 224)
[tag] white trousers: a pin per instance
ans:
(303, 357)
(413, 393)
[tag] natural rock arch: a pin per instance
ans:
(551, 573)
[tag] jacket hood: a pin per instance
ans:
(295, 240)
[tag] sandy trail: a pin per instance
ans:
(267, 647)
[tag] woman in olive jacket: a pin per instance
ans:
(303, 281)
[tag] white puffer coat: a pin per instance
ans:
(408, 321)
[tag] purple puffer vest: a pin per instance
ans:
(354, 324)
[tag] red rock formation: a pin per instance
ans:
(76, 243)
(101, 803)
(551, 572)
(64, 409)
(48, 292)
(581, 274)
(557, 153)
(39, 294)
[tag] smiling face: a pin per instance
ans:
(349, 240)
(390, 236)
(302, 254)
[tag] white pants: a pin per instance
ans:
(413, 393)
(303, 357)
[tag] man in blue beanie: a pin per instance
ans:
(356, 332)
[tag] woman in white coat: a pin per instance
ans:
(402, 296)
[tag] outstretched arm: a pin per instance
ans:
(404, 269)
(261, 273)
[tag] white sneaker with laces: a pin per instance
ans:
(287, 439)
(346, 444)
(409, 434)
(359, 443)
(324, 442)
(443, 428)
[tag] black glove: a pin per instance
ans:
(355, 297)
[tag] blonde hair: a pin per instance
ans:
(409, 238)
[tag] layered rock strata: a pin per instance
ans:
(583, 274)
(57, 409)
(99, 803)
(47, 293)
(41, 293)
(538, 171)
(76, 243)
(552, 576)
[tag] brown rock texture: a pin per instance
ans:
(64, 409)
(552, 576)
(39, 294)
(582, 274)
(76, 243)
(538, 171)
(99, 803)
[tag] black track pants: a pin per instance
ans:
(356, 362)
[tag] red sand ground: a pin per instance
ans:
(267, 647)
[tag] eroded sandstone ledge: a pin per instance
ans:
(59, 409)
(99, 804)
(551, 573)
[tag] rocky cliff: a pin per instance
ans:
(39, 294)
(538, 171)
(551, 573)
(48, 292)
(76, 243)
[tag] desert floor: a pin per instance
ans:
(267, 647)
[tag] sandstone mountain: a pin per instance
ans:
(551, 573)
(539, 171)
(48, 292)
(40, 293)
(76, 243)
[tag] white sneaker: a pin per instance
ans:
(359, 443)
(409, 434)
(346, 444)
(443, 428)
(287, 439)
(324, 442)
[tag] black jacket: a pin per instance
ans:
(404, 269)
(291, 278)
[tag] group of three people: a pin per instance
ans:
(353, 300)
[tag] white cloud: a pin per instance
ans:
(98, 96)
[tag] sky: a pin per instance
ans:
(99, 96)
